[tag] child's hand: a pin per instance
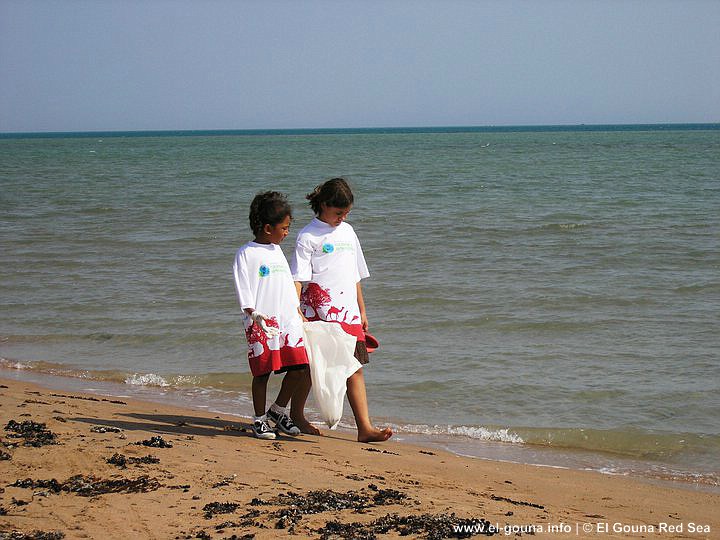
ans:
(364, 320)
(261, 321)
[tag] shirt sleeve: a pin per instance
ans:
(362, 269)
(242, 283)
(301, 264)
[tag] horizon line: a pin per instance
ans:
(338, 130)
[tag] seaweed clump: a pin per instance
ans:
(213, 508)
(425, 526)
(34, 433)
(105, 429)
(248, 520)
(326, 500)
(35, 535)
(156, 442)
(90, 486)
(122, 461)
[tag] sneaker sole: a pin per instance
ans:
(293, 432)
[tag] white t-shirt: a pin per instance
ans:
(263, 283)
(331, 263)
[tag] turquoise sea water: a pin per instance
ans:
(547, 295)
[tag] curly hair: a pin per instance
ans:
(335, 192)
(268, 208)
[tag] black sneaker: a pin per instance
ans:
(283, 423)
(261, 429)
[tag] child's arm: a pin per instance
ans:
(298, 288)
(261, 320)
(361, 305)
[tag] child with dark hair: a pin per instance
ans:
(327, 267)
(335, 193)
(273, 324)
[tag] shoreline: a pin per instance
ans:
(212, 401)
(217, 480)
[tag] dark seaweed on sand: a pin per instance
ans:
(35, 433)
(426, 526)
(122, 461)
(518, 503)
(105, 429)
(35, 535)
(90, 486)
(324, 500)
(213, 508)
(89, 398)
(156, 442)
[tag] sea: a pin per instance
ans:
(545, 295)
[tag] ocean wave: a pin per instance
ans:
(13, 364)
(239, 382)
(628, 442)
(504, 435)
(60, 370)
(562, 227)
(146, 379)
(667, 474)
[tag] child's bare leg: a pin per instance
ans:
(259, 393)
(357, 397)
(297, 404)
(287, 388)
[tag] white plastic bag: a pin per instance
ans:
(331, 353)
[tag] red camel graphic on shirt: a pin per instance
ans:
(315, 297)
(334, 311)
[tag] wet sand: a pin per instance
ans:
(85, 466)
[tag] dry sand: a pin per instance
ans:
(303, 487)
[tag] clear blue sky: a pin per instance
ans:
(236, 64)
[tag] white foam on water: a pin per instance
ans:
(146, 379)
(472, 432)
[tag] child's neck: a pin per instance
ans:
(262, 239)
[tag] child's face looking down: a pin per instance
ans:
(277, 233)
(332, 215)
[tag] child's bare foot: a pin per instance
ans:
(306, 427)
(375, 435)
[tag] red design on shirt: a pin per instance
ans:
(255, 334)
(315, 297)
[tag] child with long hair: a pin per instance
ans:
(327, 267)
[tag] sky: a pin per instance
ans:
(101, 65)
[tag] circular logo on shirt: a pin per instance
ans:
(264, 271)
(328, 248)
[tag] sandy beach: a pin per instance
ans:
(88, 466)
